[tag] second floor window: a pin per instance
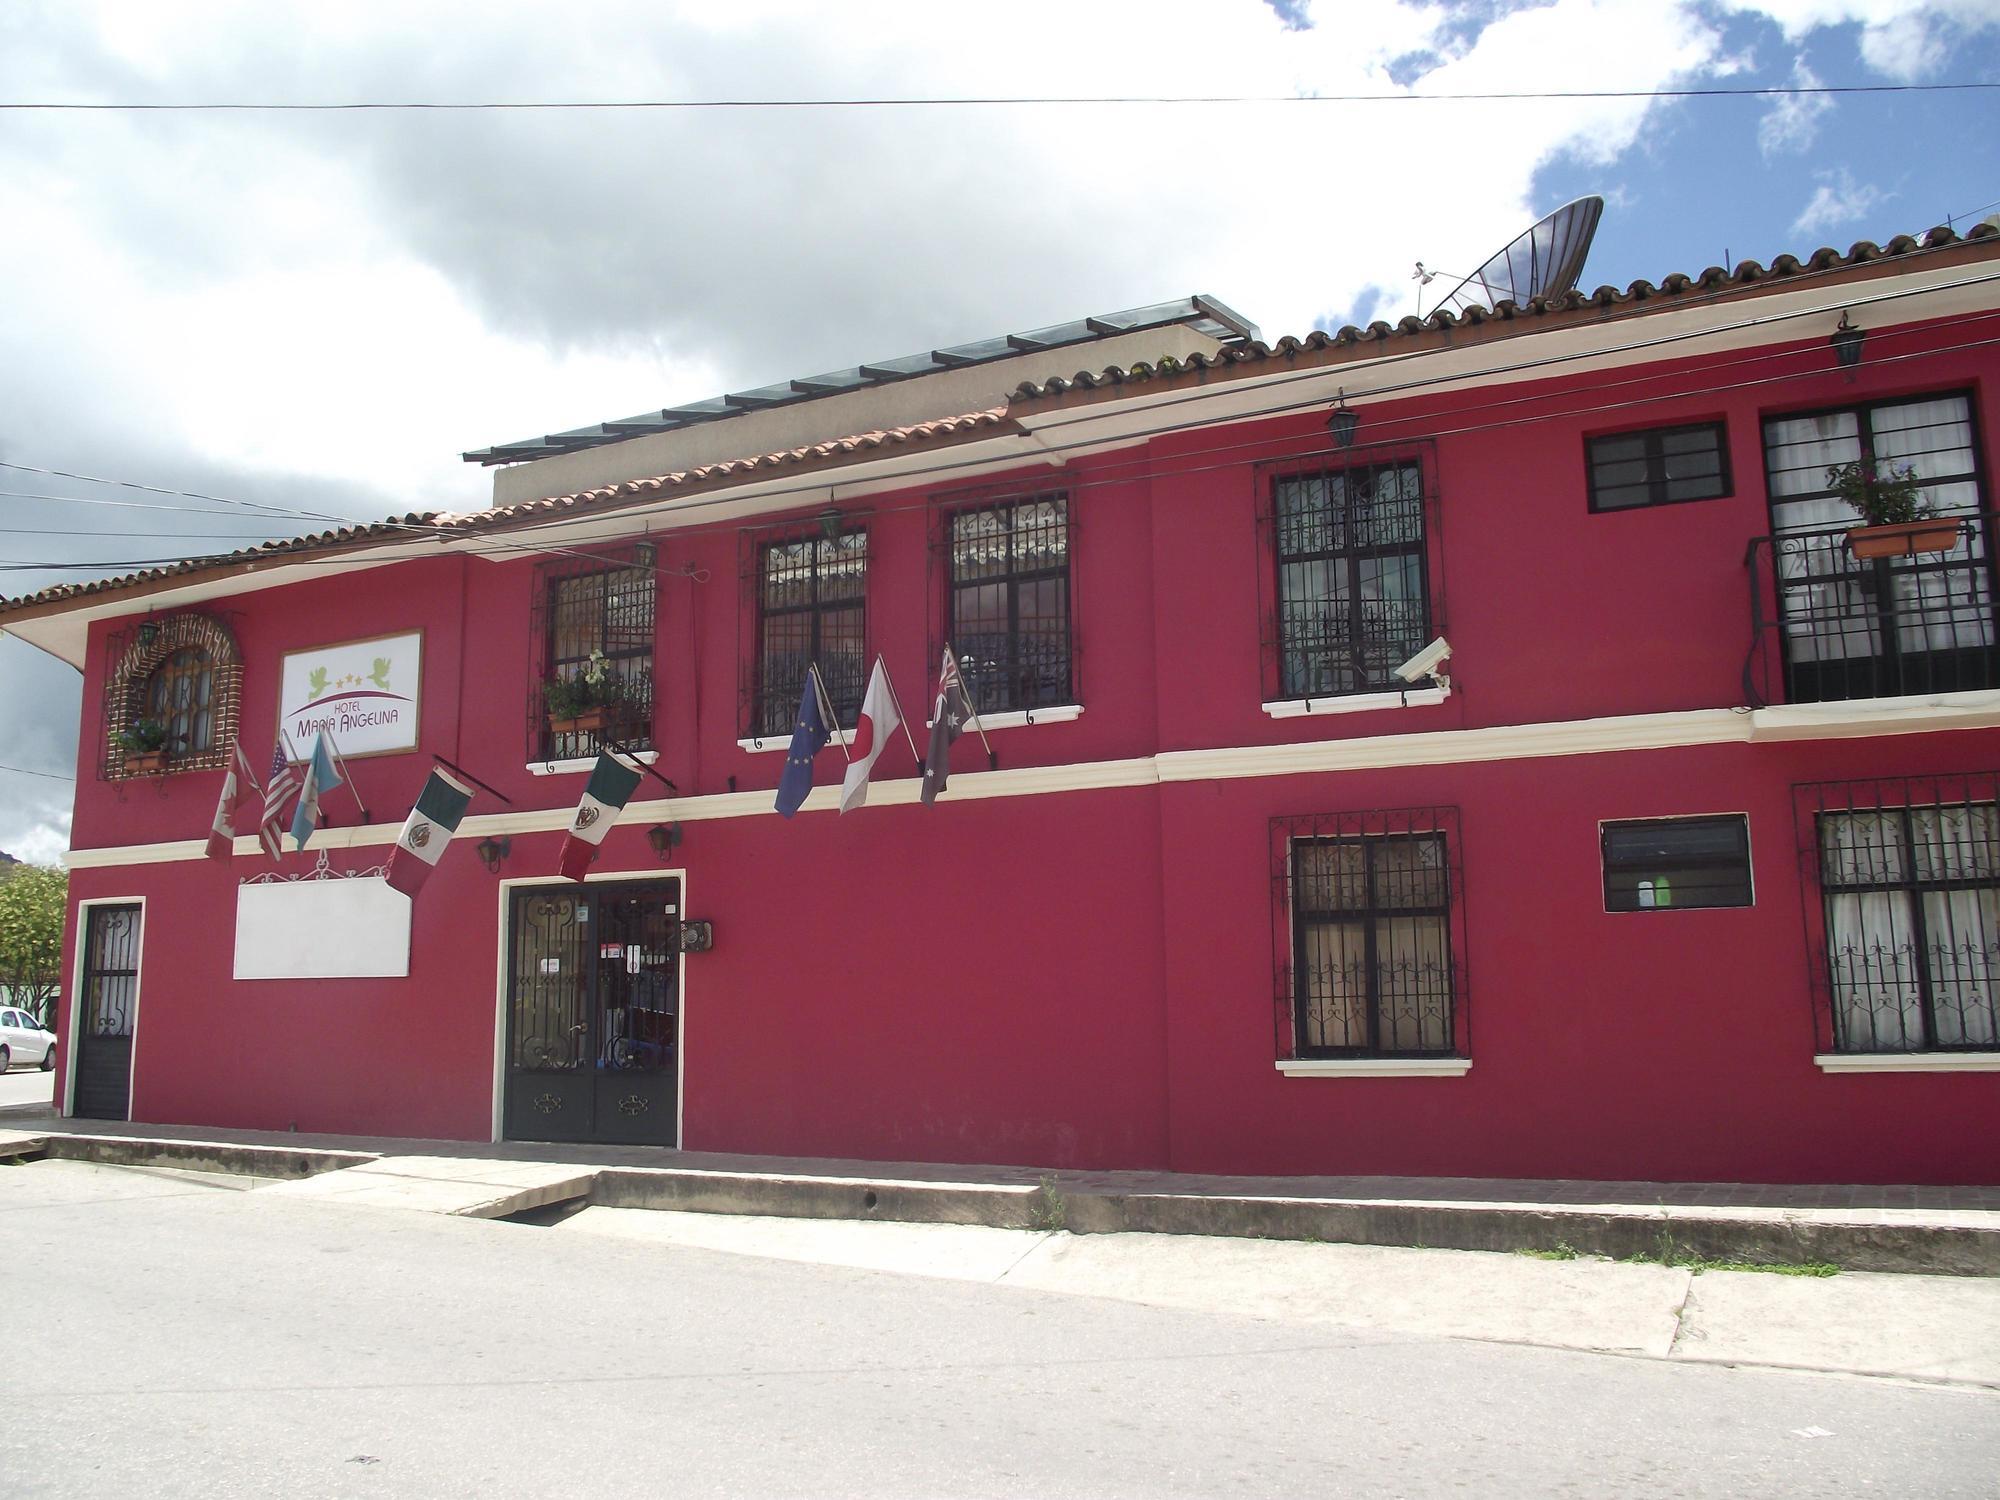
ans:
(1353, 599)
(180, 696)
(596, 684)
(1658, 466)
(1008, 603)
(1868, 628)
(812, 606)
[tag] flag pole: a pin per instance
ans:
(617, 747)
(341, 761)
(826, 710)
(992, 760)
(461, 771)
(901, 717)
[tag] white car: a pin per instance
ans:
(22, 1040)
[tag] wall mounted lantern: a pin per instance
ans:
(491, 851)
(1846, 343)
(829, 523)
(1344, 423)
(664, 837)
(643, 555)
(697, 937)
(149, 631)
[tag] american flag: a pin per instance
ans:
(279, 785)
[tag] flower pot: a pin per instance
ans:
(590, 721)
(1905, 539)
(145, 762)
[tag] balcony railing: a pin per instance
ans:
(1828, 626)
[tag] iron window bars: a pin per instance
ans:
(183, 671)
(1346, 573)
(810, 597)
(1008, 601)
(1853, 628)
(1673, 864)
(1905, 932)
(1657, 466)
(1368, 935)
(582, 607)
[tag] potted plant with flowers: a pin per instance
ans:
(144, 742)
(1896, 519)
(585, 703)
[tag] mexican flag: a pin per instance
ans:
(611, 787)
(426, 831)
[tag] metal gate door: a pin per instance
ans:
(593, 1013)
(109, 997)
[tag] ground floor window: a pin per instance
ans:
(1368, 939)
(1909, 913)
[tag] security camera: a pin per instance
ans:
(1426, 663)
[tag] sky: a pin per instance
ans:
(319, 312)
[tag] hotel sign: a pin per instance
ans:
(363, 693)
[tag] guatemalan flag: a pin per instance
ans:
(808, 739)
(610, 788)
(321, 778)
(426, 831)
(877, 726)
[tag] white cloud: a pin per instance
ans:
(1838, 200)
(1906, 39)
(1792, 123)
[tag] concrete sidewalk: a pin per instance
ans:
(1922, 1229)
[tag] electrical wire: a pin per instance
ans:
(45, 775)
(979, 101)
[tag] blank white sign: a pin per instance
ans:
(322, 929)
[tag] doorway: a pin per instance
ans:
(107, 1013)
(593, 1014)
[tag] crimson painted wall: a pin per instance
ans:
(1083, 978)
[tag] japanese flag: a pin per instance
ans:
(878, 724)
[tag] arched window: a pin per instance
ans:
(181, 673)
(180, 695)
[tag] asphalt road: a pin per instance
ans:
(179, 1338)
(26, 1086)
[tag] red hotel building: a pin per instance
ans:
(1684, 863)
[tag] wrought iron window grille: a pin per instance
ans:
(589, 617)
(1657, 466)
(1348, 569)
(1368, 935)
(804, 598)
(1009, 596)
(183, 672)
(1903, 912)
(1827, 626)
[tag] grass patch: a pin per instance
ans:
(1046, 1209)
(1562, 1250)
(1667, 1253)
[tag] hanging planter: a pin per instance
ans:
(1905, 539)
(589, 721)
(145, 762)
(1897, 520)
(585, 703)
(145, 745)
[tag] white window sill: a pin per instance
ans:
(772, 744)
(1908, 1062)
(1060, 713)
(1374, 1067)
(583, 763)
(1355, 703)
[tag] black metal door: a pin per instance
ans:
(109, 997)
(593, 1014)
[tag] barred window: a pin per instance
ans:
(1008, 603)
(811, 607)
(180, 696)
(1366, 912)
(1353, 596)
(1910, 896)
(1658, 466)
(595, 623)
(182, 673)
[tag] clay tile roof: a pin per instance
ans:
(1242, 358)
(441, 525)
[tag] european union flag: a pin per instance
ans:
(808, 739)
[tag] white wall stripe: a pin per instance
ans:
(1702, 726)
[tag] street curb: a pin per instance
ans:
(796, 1197)
(288, 1162)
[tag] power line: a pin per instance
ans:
(983, 101)
(45, 775)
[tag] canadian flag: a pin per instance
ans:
(878, 724)
(235, 781)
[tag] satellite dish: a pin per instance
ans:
(1543, 262)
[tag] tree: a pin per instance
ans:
(33, 902)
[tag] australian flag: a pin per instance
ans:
(809, 737)
(948, 718)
